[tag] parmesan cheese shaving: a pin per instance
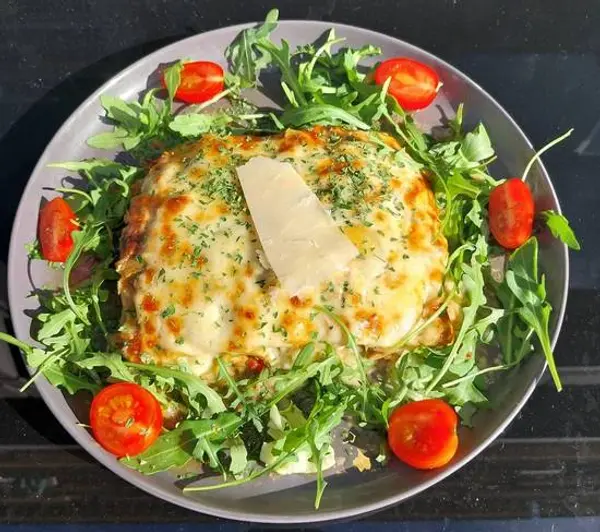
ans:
(302, 243)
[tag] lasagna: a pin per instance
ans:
(195, 282)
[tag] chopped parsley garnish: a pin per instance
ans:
(169, 311)
(222, 185)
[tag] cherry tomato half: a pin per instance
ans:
(423, 434)
(414, 85)
(200, 81)
(125, 418)
(511, 211)
(56, 223)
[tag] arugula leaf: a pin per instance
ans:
(208, 452)
(113, 139)
(465, 391)
(126, 113)
(522, 279)
(403, 159)
(483, 325)
(105, 168)
(52, 324)
(176, 447)
(194, 386)
(304, 355)
(130, 119)
(320, 114)
(246, 60)
(307, 69)
(283, 59)
(172, 449)
(172, 76)
(113, 362)
(458, 185)
(285, 383)
(350, 342)
(351, 59)
(239, 456)
(514, 336)
(135, 123)
(473, 287)
(85, 239)
(192, 125)
(214, 436)
(248, 408)
(53, 366)
(60, 375)
(415, 370)
(315, 436)
(325, 416)
(23, 346)
(476, 146)
(560, 228)
(457, 122)
(108, 197)
(318, 447)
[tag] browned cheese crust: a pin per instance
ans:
(195, 284)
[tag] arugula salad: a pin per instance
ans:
(277, 420)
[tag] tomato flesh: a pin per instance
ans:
(414, 85)
(125, 418)
(423, 434)
(200, 81)
(56, 223)
(511, 212)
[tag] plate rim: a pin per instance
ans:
(145, 482)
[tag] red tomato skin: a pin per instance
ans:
(511, 212)
(423, 434)
(414, 85)
(125, 418)
(255, 364)
(200, 81)
(56, 223)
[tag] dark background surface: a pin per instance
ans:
(539, 58)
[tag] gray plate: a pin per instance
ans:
(290, 499)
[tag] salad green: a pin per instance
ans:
(296, 410)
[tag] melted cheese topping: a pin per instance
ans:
(194, 279)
